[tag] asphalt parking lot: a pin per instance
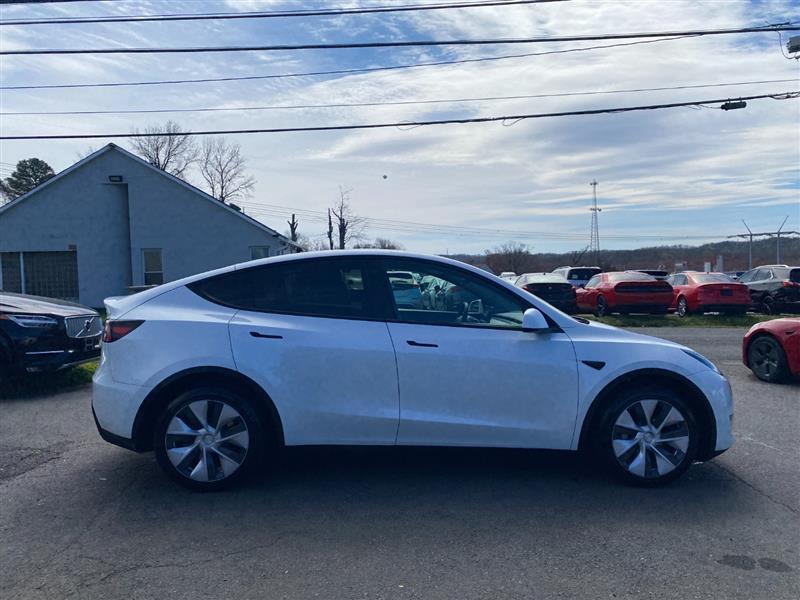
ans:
(82, 519)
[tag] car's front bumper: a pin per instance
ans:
(58, 354)
(717, 390)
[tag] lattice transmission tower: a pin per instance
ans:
(594, 238)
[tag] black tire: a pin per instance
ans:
(214, 461)
(682, 308)
(767, 360)
(767, 306)
(644, 452)
(602, 307)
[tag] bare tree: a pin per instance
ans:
(224, 170)
(293, 225)
(382, 244)
(166, 147)
(349, 226)
(511, 256)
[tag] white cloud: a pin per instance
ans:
(666, 172)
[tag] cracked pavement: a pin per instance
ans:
(83, 519)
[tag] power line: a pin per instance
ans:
(406, 124)
(388, 103)
(331, 12)
(417, 227)
(337, 71)
(401, 44)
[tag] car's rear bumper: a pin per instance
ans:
(115, 405)
(724, 307)
(643, 307)
(113, 438)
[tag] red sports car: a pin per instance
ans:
(697, 292)
(771, 349)
(624, 292)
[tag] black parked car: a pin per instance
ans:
(550, 287)
(773, 288)
(40, 334)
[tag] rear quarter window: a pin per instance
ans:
(312, 288)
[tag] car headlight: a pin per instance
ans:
(32, 320)
(699, 357)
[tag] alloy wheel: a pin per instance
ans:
(650, 438)
(764, 358)
(207, 440)
(602, 307)
(681, 310)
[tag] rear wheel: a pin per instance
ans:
(208, 438)
(648, 436)
(768, 306)
(767, 360)
(602, 307)
(683, 309)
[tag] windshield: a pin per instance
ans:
(712, 278)
(582, 274)
(615, 277)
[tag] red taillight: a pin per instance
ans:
(790, 284)
(115, 330)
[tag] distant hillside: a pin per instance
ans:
(734, 255)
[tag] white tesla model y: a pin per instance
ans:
(214, 371)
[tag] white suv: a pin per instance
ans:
(215, 371)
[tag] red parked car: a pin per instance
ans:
(771, 349)
(697, 292)
(624, 292)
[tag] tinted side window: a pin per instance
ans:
(592, 283)
(748, 276)
(454, 297)
(335, 288)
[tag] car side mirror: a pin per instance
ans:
(475, 307)
(533, 320)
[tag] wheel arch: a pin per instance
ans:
(147, 415)
(677, 382)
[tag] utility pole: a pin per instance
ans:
(594, 237)
(778, 247)
(749, 248)
(293, 224)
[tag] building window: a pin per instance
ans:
(10, 272)
(153, 266)
(259, 252)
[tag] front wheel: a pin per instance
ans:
(767, 360)
(648, 437)
(208, 438)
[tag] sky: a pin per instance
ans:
(684, 175)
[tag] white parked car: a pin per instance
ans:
(214, 371)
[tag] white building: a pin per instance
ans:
(112, 222)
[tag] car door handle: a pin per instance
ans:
(421, 344)
(269, 336)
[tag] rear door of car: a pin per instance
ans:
(310, 333)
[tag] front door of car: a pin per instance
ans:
(470, 376)
(313, 341)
